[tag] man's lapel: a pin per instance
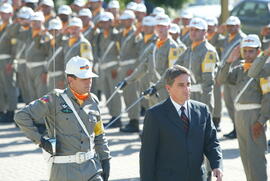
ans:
(172, 113)
(192, 115)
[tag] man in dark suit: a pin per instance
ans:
(177, 134)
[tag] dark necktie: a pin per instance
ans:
(184, 119)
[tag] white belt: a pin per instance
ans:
(241, 107)
(79, 157)
(196, 88)
(35, 64)
(104, 66)
(55, 74)
(20, 61)
(4, 56)
(127, 62)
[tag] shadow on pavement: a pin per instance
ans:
(18, 153)
(128, 150)
(126, 179)
(15, 143)
(113, 142)
(230, 153)
(12, 135)
(8, 129)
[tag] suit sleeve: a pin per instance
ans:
(150, 139)
(212, 148)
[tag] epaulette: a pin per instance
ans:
(58, 91)
(95, 98)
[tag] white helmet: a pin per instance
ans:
(48, 3)
(64, 9)
(80, 67)
(85, 12)
(55, 24)
(25, 12)
(75, 22)
(233, 20)
(198, 23)
(114, 4)
(6, 8)
(251, 40)
(37, 16)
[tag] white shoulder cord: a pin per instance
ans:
(70, 104)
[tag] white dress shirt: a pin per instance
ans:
(178, 106)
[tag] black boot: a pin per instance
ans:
(116, 124)
(143, 110)
(2, 117)
(231, 135)
(217, 124)
(131, 127)
(209, 176)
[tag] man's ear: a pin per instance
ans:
(167, 88)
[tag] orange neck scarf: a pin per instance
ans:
(72, 40)
(232, 36)
(106, 33)
(210, 36)
(96, 11)
(25, 27)
(80, 97)
(85, 28)
(195, 44)
(147, 37)
(35, 32)
(160, 43)
(3, 26)
(184, 31)
(47, 17)
(126, 31)
(246, 66)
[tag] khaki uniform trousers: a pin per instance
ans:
(109, 84)
(37, 88)
(8, 94)
(22, 81)
(252, 152)
(229, 95)
(217, 101)
(130, 95)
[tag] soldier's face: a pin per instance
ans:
(140, 15)
(211, 29)
(105, 24)
(5, 16)
(180, 89)
(162, 31)
(95, 5)
(232, 29)
(250, 53)
(185, 21)
(36, 24)
(46, 9)
(196, 34)
(148, 29)
(81, 86)
(74, 31)
(127, 22)
(63, 17)
(175, 35)
(85, 20)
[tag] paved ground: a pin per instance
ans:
(21, 160)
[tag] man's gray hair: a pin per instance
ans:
(173, 72)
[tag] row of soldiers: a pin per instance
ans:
(132, 51)
(127, 47)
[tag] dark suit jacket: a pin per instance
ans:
(168, 153)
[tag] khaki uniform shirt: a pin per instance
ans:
(257, 92)
(201, 61)
(70, 136)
